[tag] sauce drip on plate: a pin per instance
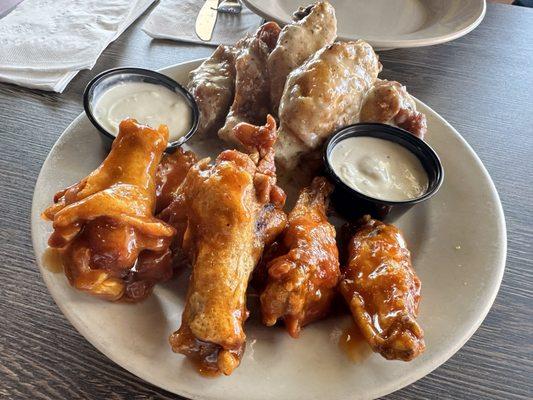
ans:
(353, 344)
(52, 261)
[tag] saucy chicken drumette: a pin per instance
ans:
(110, 243)
(231, 208)
(383, 291)
(303, 270)
(170, 174)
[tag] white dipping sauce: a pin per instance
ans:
(379, 168)
(148, 103)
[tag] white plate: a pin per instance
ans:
(389, 24)
(458, 242)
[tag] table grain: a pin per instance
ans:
(482, 84)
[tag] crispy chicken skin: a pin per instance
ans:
(212, 85)
(383, 291)
(104, 224)
(252, 85)
(314, 27)
(170, 174)
(233, 208)
(389, 102)
(301, 281)
(322, 95)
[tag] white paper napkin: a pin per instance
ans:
(175, 20)
(45, 43)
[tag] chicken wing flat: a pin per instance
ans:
(383, 291)
(389, 102)
(252, 85)
(314, 27)
(170, 174)
(111, 244)
(233, 210)
(322, 95)
(212, 85)
(301, 282)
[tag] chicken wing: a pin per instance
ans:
(383, 291)
(170, 174)
(322, 95)
(389, 102)
(252, 85)
(212, 85)
(233, 210)
(111, 244)
(301, 282)
(314, 27)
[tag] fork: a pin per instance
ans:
(230, 7)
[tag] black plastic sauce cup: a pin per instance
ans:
(351, 203)
(107, 79)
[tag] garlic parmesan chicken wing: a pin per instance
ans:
(322, 95)
(212, 85)
(110, 243)
(388, 102)
(252, 85)
(314, 27)
(233, 210)
(383, 291)
(301, 281)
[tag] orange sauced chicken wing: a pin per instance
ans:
(383, 291)
(170, 174)
(232, 209)
(301, 281)
(111, 244)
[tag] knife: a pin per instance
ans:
(206, 20)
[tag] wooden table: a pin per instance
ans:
(482, 84)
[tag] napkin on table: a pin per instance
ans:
(45, 43)
(175, 20)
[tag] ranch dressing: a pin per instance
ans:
(379, 168)
(148, 103)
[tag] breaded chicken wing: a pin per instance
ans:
(314, 27)
(301, 281)
(233, 210)
(111, 244)
(322, 95)
(383, 291)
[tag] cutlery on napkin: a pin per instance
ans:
(206, 20)
(45, 43)
(175, 20)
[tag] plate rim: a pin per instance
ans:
(384, 389)
(384, 44)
